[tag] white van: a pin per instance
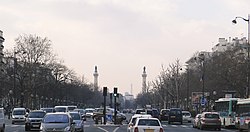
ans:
(61, 109)
(18, 115)
(2, 122)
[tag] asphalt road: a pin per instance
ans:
(90, 126)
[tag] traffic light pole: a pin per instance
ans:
(104, 104)
(115, 95)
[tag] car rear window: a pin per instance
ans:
(36, 114)
(212, 116)
(186, 114)
(75, 116)
(148, 122)
(57, 118)
(175, 112)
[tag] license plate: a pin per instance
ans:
(35, 125)
(149, 130)
(172, 116)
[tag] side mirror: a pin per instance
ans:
(130, 124)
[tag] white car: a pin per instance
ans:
(147, 124)
(2, 122)
(186, 116)
(18, 115)
(89, 112)
(133, 119)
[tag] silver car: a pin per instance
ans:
(57, 122)
(79, 122)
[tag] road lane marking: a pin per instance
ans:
(116, 129)
(103, 129)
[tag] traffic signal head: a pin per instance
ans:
(104, 91)
(115, 92)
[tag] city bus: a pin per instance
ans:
(243, 114)
(226, 107)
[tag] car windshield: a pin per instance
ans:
(36, 115)
(139, 111)
(212, 116)
(71, 108)
(75, 116)
(165, 112)
(60, 109)
(175, 112)
(56, 118)
(148, 122)
(48, 110)
(19, 112)
(81, 111)
(89, 111)
(186, 114)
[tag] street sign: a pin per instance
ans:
(203, 101)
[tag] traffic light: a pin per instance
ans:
(115, 92)
(105, 91)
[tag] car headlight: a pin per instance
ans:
(79, 124)
(67, 129)
(43, 129)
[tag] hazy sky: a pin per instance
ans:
(122, 36)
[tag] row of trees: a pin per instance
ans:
(217, 73)
(34, 77)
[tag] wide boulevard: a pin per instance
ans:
(90, 126)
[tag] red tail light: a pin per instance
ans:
(161, 130)
(136, 129)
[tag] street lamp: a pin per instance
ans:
(247, 20)
(14, 74)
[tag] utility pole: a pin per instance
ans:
(115, 95)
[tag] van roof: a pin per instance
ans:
(19, 109)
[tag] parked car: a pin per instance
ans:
(196, 120)
(57, 122)
(210, 120)
(2, 122)
(18, 115)
(147, 124)
(175, 115)
(33, 120)
(164, 115)
(79, 123)
(186, 116)
(133, 119)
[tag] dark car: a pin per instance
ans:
(175, 115)
(209, 120)
(164, 115)
(33, 120)
(153, 112)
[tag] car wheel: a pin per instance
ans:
(12, 122)
(219, 129)
(26, 128)
(248, 126)
(169, 122)
(181, 122)
(201, 127)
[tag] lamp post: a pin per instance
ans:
(248, 44)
